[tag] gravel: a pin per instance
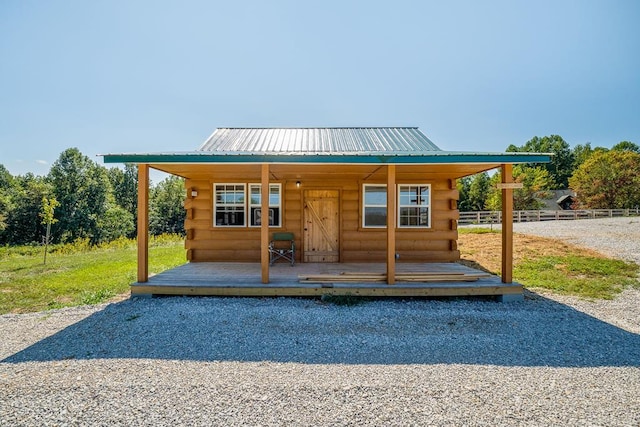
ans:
(548, 360)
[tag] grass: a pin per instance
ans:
(586, 276)
(550, 264)
(77, 274)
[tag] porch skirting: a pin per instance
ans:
(244, 279)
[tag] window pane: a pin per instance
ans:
(424, 196)
(274, 217)
(255, 195)
(274, 205)
(375, 195)
(229, 215)
(375, 217)
(414, 217)
(405, 195)
(274, 195)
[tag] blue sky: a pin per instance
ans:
(111, 76)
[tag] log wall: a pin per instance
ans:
(205, 242)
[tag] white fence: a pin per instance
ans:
(495, 217)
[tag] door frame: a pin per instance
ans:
(302, 218)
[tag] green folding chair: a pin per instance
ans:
(282, 246)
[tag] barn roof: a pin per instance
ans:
(362, 145)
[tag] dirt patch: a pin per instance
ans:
(484, 251)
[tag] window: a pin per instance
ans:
(229, 205)
(374, 206)
(414, 205)
(255, 207)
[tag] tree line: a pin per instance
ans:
(89, 202)
(79, 199)
(602, 178)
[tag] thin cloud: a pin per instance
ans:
(42, 162)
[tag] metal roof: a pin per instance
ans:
(314, 141)
(340, 145)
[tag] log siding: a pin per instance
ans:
(204, 242)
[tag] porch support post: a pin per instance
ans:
(507, 224)
(143, 223)
(391, 224)
(264, 223)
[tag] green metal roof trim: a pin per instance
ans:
(323, 145)
(443, 157)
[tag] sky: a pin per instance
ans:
(114, 76)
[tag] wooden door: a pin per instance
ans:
(321, 226)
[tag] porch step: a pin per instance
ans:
(351, 277)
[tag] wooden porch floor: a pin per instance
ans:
(244, 279)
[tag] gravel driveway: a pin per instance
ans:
(221, 361)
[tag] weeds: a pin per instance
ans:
(477, 230)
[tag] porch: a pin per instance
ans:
(316, 279)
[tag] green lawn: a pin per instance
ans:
(77, 274)
(551, 264)
(575, 274)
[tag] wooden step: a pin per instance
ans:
(350, 277)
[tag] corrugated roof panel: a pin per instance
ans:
(382, 140)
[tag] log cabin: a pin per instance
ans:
(350, 195)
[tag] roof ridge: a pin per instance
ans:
(321, 127)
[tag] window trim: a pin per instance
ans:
(400, 206)
(215, 204)
(365, 205)
(259, 206)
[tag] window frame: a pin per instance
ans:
(258, 206)
(216, 204)
(365, 205)
(418, 206)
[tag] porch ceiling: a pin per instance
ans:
(318, 172)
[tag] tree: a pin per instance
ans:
(23, 223)
(473, 191)
(479, 191)
(166, 206)
(6, 189)
(115, 222)
(82, 188)
(608, 180)
(462, 185)
(626, 146)
(48, 210)
(582, 152)
(562, 162)
(125, 190)
(535, 186)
